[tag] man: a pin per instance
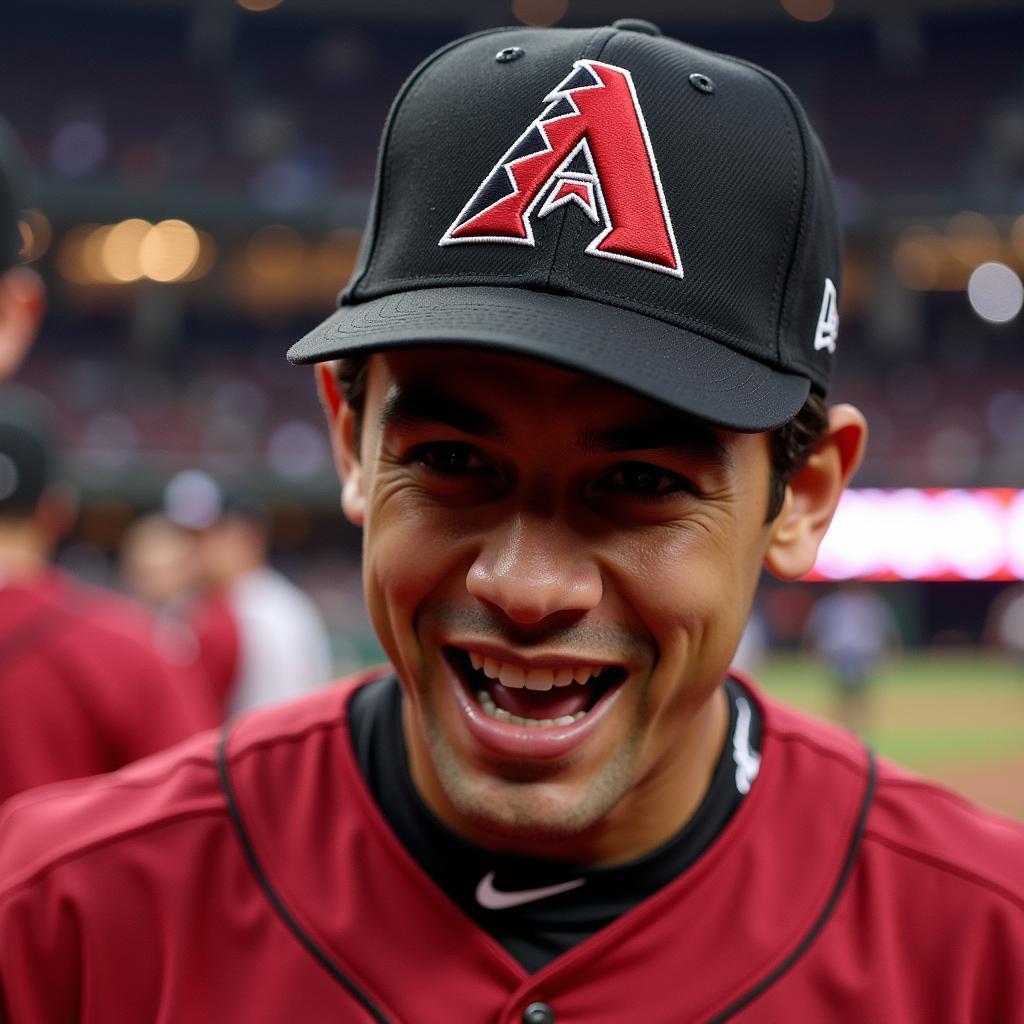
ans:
(261, 639)
(851, 630)
(572, 416)
(83, 686)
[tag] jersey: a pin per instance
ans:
(252, 877)
(84, 687)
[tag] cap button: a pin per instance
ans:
(648, 28)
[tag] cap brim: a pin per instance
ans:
(681, 369)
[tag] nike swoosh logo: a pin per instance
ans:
(495, 899)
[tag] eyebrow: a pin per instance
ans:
(682, 436)
(674, 434)
(420, 405)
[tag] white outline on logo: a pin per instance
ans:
(828, 319)
(554, 97)
(588, 205)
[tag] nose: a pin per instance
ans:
(531, 568)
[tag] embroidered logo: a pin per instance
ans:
(590, 148)
(828, 319)
(498, 899)
(748, 760)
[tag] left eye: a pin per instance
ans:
(643, 479)
(449, 458)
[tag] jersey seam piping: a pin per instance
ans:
(277, 903)
(947, 867)
(757, 990)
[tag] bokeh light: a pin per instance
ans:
(169, 250)
(539, 12)
(995, 292)
(36, 234)
(258, 5)
(808, 10)
(119, 250)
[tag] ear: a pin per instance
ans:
(22, 301)
(341, 421)
(813, 494)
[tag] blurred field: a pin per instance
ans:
(957, 718)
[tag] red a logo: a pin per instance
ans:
(589, 147)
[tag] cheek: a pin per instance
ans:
(691, 586)
(411, 550)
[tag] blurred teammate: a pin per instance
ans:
(21, 291)
(261, 640)
(852, 629)
(159, 567)
(83, 687)
(581, 402)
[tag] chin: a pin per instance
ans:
(516, 807)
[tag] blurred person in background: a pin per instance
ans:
(261, 639)
(852, 629)
(22, 296)
(159, 567)
(83, 686)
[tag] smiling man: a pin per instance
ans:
(577, 392)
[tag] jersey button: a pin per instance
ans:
(538, 1013)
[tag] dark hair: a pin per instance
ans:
(792, 444)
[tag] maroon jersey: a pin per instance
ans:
(83, 686)
(256, 880)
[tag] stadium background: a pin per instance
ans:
(203, 168)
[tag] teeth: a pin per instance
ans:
(501, 715)
(515, 677)
(540, 679)
(512, 676)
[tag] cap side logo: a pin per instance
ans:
(828, 319)
(590, 148)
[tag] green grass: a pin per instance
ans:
(953, 716)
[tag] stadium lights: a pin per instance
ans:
(133, 250)
(933, 534)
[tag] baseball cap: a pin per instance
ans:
(28, 452)
(13, 175)
(610, 200)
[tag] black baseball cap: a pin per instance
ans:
(610, 200)
(13, 176)
(28, 450)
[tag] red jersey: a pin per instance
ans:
(83, 686)
(255, 880)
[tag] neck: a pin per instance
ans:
(24, 550)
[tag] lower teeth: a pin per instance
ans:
(501, 715)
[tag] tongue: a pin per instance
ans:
(553, 703)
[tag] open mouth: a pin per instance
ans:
(536, 698)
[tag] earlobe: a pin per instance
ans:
(813, 495)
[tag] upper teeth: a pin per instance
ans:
(516, 677)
